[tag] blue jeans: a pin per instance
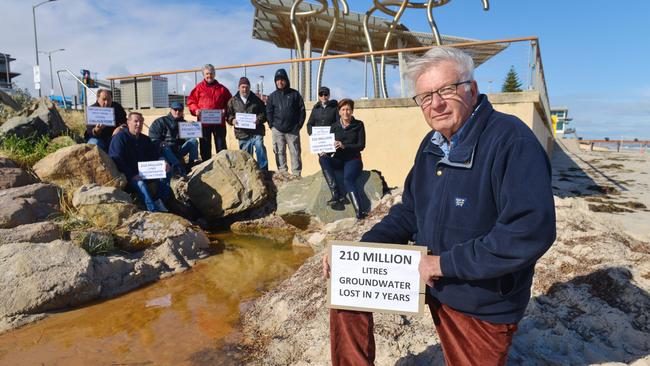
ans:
(98, 142)
(163, 192)
(257, 142)
(351, 170)
(190, 147)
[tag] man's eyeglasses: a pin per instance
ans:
(177, 110)
(323, 95)
(424, 99)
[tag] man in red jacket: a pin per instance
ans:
(210, 94)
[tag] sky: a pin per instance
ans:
(594, 53)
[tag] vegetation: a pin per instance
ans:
(511, 83)
(22, 98)
(27, 151)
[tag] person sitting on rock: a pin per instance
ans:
(349, 140)
(101, 135)
(130, 146)
(164, 133)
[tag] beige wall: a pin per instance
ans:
(394, 129)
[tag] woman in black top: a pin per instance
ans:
(350, 140)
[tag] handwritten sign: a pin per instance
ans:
(245, 120)
(152, 169)
(375, 277)
(323, 143)
(100, 116)
(211, 116)
(320, 130)
(189, 130)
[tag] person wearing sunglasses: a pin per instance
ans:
(165, 133)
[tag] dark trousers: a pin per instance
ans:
(351, 170)
(465, 340)
(205, 143)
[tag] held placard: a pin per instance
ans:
(246, 120)
(100, 116)
(152, 169)
(375, 277)
(321, 143)
(211, 116)
(189, 130)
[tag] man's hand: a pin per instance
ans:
(326, 266)
(97, 129)
(136, 177)
(118, 129)
(168, 167)
(429, 269)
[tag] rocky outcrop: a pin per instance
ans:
(40, 119)
(15, 177)
(270, 227)
(28, 204)
(299, 200)
(73, 166)
(227, 184)
(93, 194)
(107, 215)
(40, 232)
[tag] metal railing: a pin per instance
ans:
(58, 76)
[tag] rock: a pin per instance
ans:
(340, 225)
(228, 183)
(40, 119)
(93, 194)
(61, 141)
(5, 162)
(150, 229)
(41, 277)
(270, 227)
(40, 232)
(107, 215)
(73, 166)
(28, 204)
(94, 241)
(15, 177)
(298, 200)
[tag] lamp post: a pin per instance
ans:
(49, 56)
(35, 37)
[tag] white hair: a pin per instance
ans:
(208, 67)
(435, 56)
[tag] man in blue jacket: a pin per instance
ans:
(285, 111)
(479, 198)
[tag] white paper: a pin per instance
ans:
(320, 130)
(245, 120)
(100, 116)
(189, 130)
(152, 169)
(321, 143)
(375, 278)
(211, 116)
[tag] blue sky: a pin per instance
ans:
(594, 52)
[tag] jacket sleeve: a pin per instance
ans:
(525, 227)
(302, 112)
(117, 152)
(360, 144)
(230, 111)
(193, 100)
(157, 132)
(270, 109)
(310, 122)
(120, 114)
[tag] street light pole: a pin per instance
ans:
(49, 56)
(35, 36)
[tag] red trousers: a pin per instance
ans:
(465, 340)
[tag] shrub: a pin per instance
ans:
(27, 151)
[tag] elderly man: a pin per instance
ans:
(285, 111)
(101, 135)
(479, 198)
(164, 132)
(130, 146)
(209, 94)
(246, 102)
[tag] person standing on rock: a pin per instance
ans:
(349, 141)
(101, 135)
(165, 133)
(285, 110)
(324, 113)
(210, 94)
(130, 146)
(479, 198)
(249, 138)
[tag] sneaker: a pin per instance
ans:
(160, 206)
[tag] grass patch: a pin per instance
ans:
(97, 243)
(27, 151)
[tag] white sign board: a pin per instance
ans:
(37, 74)
(189, 130)
(376, 277)
(320, 130)
(211, 116)
(321, 143)
(100, 116)
(152, 169)
(245, 120)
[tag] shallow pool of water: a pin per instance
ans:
(182, 320)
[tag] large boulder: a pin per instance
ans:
(15, 177)
(302, 199)
(28, 204)
(107, 215)
(41, 118)
(39, 232)
(227, 184)
(40, 277)
(93, 194)
(73, 166)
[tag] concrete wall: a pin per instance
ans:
(394, 130)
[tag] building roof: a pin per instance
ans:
(271, 24)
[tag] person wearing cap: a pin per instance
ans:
(324, 113)
(285, 111)
(164, 132)
(210, 94)
(246, 102)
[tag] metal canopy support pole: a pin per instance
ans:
(135, 89)
(402, 69)
(307, 95)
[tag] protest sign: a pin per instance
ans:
(320, 130)
(323, 143)
(100, 116)
(245, 120)
(189, 130)
(152, 169)
(211, 116)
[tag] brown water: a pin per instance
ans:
(182, 320)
